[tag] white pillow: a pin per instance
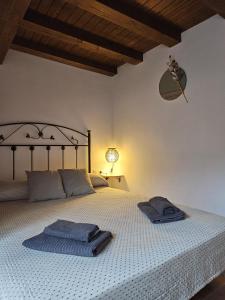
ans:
(13, 190)
(98, 180)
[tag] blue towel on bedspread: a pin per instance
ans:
(163, 206)
(83, 232)
(159, 216)
(48, 243)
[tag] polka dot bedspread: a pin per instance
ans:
(169, 261)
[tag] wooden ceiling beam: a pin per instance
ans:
(150, 26)
(11, 12)
(61, 56)
(53, 28)
(218, 6)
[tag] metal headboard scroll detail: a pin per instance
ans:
(40, 134)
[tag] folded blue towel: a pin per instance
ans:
(83, 232)
(156, 218)
(48, 243)
(163, 206)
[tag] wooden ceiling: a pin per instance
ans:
(98, 35)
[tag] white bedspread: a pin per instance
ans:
(144, 261)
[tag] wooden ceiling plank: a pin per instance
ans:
(34, 4)
(66, 13)
(61, 56)
(91, 26)
(54, 28)
(44, 6)
(12, 11)
(156, 6)
(216, 5)
(166, 7)
(133, 18)
(55, 8)
(75, 17)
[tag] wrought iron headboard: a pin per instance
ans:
(40, 127)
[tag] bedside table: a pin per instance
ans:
(116, 181)
(108, 177)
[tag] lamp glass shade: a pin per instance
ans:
(112, 155)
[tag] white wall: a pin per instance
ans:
(172, 148)
(35, 89)
(166, 148)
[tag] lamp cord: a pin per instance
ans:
(112, 167)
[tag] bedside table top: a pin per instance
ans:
(110, 175)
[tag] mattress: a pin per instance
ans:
(144, 261)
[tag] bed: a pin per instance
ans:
(143, 261)
(170, 261)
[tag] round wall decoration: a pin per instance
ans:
(173, 82)
(170, 88)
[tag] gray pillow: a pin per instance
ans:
(76, 182)
(98, 180)
(13, 190)
(44, 185)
